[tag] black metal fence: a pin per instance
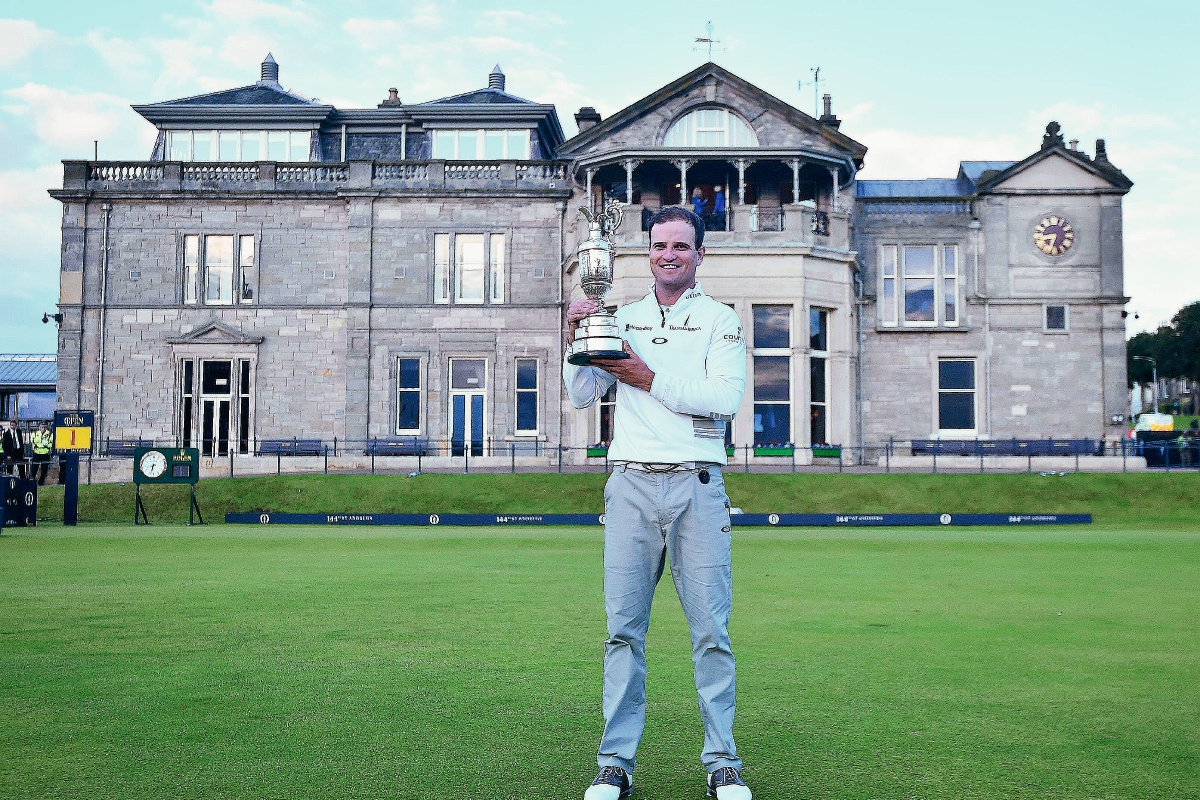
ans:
(420, 454)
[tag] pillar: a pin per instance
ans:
(833, 200)
(590, 174)
(684, 164)
(630, 166)
(795, 162)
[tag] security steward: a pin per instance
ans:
(42, 444)
(665, 500)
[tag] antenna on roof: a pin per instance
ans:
(816, 84)
(708, 41)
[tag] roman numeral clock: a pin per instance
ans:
(1054, 235)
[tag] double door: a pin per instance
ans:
(468, 391)
(215, 412)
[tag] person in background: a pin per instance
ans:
(13, 445)
(719, 202)
(698, 202)
(42, 445)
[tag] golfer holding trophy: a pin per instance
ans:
(678, 358)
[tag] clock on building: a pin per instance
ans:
(1054, 235)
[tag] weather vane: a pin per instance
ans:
(708, 40)
(816, 84)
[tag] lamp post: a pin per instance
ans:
(1154, 373)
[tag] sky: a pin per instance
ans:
(922, 84)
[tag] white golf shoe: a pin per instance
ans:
(612, 783)
(726, 784)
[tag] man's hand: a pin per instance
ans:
(632, 371)
(577, 311)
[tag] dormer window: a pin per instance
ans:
(710, 127)
(481, 145)
(238, 145)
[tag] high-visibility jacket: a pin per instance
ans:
(42, 443)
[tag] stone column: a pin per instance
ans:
(833, 198)
(796, 163)
(683, 164)
(630, 165)
(590, 174)
(741, 165)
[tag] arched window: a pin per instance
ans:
(710, 127)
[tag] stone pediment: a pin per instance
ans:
(215, 332)
(1057, 169)
(778, 126)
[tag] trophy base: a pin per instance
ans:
(585, 358)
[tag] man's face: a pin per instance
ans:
(674, 255)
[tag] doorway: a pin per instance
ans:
(468, 390)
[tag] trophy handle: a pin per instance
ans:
(613, 214)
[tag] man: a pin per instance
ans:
(13, 445)
(42, 444)
(665, 499)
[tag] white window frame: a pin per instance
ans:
(199, 278)
(823, 355)
(481, 138)
(955, 433)
(1066, 328)
(686, 128)
(293, 138)
(536, 391)
(777, 352)
(891, 313)
(601, 404)
(447, 274)
(485, 392)
(421, 398)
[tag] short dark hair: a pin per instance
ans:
(676, 213)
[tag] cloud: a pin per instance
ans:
(19, 38)
(502, 18)
(244, 11)
(895, 154)
(68, 120)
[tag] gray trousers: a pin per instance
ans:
(650, 518)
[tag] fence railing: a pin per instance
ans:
(112, 460)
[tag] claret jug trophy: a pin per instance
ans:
(598, 335)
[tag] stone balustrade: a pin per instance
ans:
(790, 223)
(314, 176)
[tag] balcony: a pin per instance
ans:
(174, 176)
(766, 225)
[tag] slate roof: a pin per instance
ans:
(929, 187)
(974, 169)
(28, 372)
(479, 97)
(257, 94)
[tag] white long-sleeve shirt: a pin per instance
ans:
(698, 356)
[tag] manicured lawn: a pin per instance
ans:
(1123, 500)
(249, 662)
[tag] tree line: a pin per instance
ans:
(1174, 347)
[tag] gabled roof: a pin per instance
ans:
(1099, 167)
(479, 97)
(28, 372)
(682, 84)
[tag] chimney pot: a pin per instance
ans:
(828, 118)
(1074, 143)
(587, 117)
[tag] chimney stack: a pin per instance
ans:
(587, 117)
(270, 71)
(1101, 151)
(1074, 144)
(828, 118)
(393, 99)
(496, 78)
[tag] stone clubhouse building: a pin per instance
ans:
(283, 271)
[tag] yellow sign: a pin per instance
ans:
(72, 438)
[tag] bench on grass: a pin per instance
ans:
(289, 447)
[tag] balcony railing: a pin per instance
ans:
(315, 176)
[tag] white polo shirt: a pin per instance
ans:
(698, 356)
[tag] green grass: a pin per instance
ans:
(1123, 500)
(315, 662)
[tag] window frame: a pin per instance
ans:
(690, 119)
(822, 356)
(419, 389)
(1066, 328)
(199, 279)
(293, 139)
(773, 352)
(481, 144)
(446, 283)
(890, 312)
(956, 433)
(536, 391)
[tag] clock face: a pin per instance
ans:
(153, 464)
(1054, 235)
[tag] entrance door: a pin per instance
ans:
(468, 387)
(215, 399)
